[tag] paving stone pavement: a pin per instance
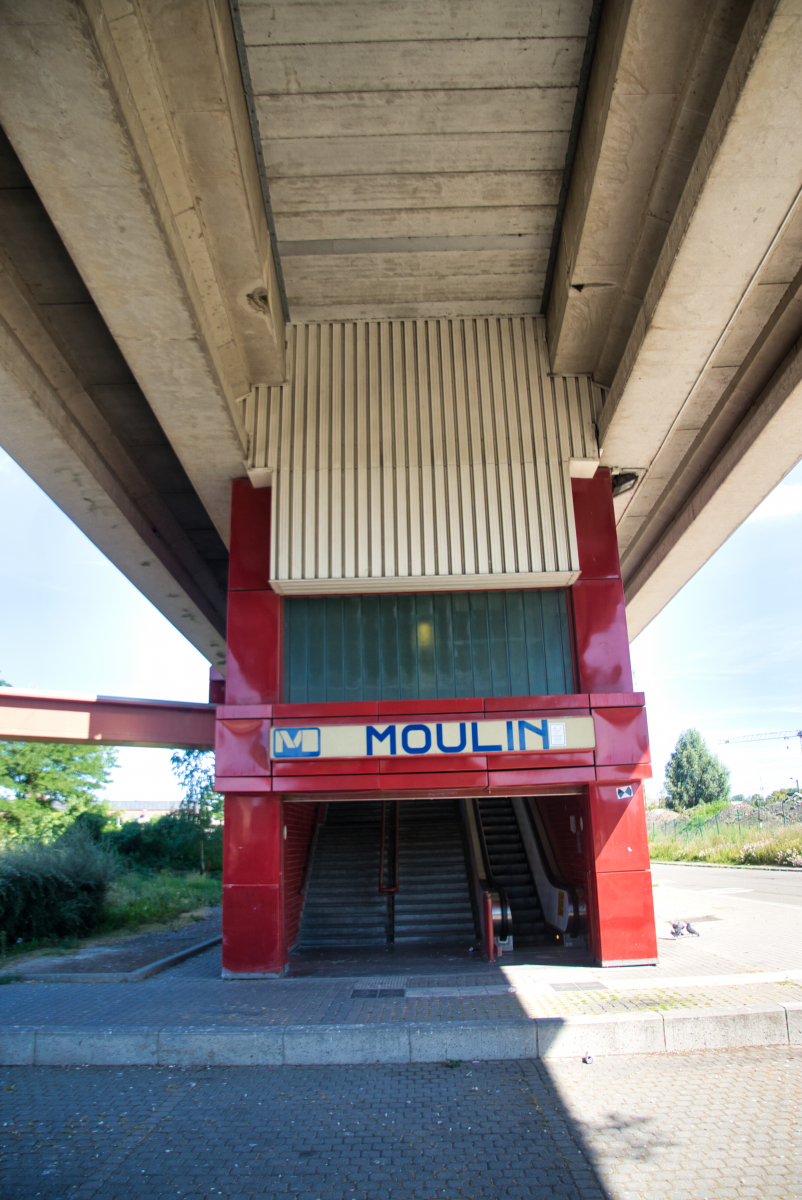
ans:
(197, 996)
(705, 1126)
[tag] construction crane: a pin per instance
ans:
(778, 734)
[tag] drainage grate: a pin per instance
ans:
(381, 993)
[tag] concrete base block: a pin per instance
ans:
(17, 1046)
(221, 1047)
(621, 1033)
(477, 1039)
(793, 1014)
(345, 1044)
(96, 1047)
(725, 1028)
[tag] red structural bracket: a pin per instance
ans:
(104, 720)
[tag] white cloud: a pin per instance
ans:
(784, 501)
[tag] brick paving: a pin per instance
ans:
(705, 1127)
(176, 998)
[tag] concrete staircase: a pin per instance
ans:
(343, 906)
(433, 903)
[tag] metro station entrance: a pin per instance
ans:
(413, 873)
(418, 756)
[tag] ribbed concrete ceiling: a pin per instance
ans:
(414, 148)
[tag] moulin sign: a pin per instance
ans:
(443, 737)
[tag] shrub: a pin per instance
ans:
(178, 840)
(56, 890)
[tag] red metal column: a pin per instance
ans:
(621, 913)
(253, 909)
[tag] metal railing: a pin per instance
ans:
(389, 860)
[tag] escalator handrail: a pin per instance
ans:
(569, 888)
(490, 883)
(385, 890)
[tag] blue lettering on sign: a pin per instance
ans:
(296, 743)
(427, 739)
(510, 742)
(542, 731)
(371, 733)
(477, 748)
(463, 740)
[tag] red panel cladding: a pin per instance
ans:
(249, 553)
(555, 777)
(539, 761)
(428, 763)
(243, 783)
(617, 700)
(254, 654)
(625, 909)
(253, 935)
(569, 846)
(323, 784)
(525, 704)
(618, 828)
(411, 708)
(595, 526)
(287, 714)
(252, 840)
(624, 773)
(622, 736)
(299, 821)
(217, 687)
(602, 641)
(240, 747)
(450, 780)
(325, 766)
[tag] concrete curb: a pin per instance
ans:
(154, 968)
(649, 1032)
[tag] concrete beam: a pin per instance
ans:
(127, 160)
(744, 182)
(53, 428)
(718, 318)
(657, 73)
(765, 447)
(104, 720)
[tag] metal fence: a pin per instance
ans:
(786, 812)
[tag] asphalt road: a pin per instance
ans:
(775, 887)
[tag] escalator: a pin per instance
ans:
(509, 865)
(432, 904)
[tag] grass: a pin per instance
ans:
(754, 846)
(136, 898)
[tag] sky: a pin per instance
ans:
(725, 656)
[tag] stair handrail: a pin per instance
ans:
(391, 890)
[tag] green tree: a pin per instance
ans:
(44, 787)
(694, 775)
(194, 770)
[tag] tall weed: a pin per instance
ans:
(55, 890)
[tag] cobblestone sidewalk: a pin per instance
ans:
(705, 1127)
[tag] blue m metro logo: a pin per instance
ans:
(296, 743)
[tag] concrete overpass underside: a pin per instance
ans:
(187, 186)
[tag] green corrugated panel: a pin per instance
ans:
(426, 646)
